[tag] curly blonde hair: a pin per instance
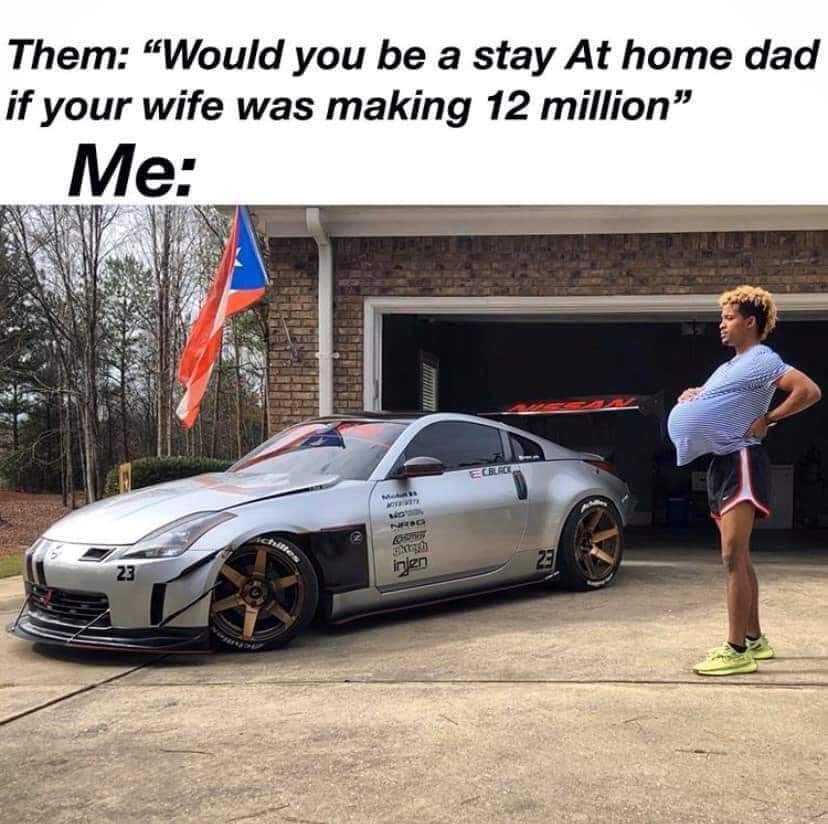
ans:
(753, 301)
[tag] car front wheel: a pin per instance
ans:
(266, 593)
(591, 546)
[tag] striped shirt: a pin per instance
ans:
(733, 397)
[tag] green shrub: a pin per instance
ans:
(148, 471)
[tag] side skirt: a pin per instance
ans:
(442, 579)
(387, 610)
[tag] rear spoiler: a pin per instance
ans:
(647, 405)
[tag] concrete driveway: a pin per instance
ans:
(531, 706)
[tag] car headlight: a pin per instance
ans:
(177, 537)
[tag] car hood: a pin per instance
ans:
(125, 519)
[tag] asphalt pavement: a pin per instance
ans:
(538, 705)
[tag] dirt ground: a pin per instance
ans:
(24, 516)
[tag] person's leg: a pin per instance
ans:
(736, 525)
(724, 483)
(757, 644)
(760, 480)
(753, 628)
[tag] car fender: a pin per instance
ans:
(330, 525)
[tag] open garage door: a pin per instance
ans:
(487, 363)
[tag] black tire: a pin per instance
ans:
(273, 578)
(579, 566)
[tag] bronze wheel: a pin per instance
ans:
(267, 591)
(598, 542)
(592, 544)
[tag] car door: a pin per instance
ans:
(468, 520)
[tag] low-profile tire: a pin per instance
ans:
(267, 593)
(591, 545)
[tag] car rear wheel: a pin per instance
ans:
(267, 593)
(591, 546)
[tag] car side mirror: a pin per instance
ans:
(421, 467)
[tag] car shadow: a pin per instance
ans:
(319, 631)
(106, 658)
(425, 612)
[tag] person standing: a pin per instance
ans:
(729, 417)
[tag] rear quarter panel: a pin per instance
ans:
(555, 487)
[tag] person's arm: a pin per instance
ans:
(802, 393)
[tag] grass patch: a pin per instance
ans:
(11, 565)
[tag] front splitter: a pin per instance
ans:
(30, 627)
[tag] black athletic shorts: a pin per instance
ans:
(739, 476)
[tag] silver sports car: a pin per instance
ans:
(346, 516)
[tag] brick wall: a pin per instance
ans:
(293, 392)
(526, 266)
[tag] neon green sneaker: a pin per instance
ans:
(760, 649)
(725, 660)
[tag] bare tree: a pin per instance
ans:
(63, 249)
(127, 294)
(112, 293)
(166, 235)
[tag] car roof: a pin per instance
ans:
(408, 418)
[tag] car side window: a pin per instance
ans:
(525, 449)
(458, 445)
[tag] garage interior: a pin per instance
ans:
(483, 364)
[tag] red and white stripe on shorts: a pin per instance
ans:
(745, 492)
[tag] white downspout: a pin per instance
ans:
(313, 218)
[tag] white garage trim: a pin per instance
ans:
(792, 306)
(414, 221)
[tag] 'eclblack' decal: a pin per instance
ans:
(488, 471)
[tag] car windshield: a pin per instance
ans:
(349, 449)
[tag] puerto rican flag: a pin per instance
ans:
(239, 282)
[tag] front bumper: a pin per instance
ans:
(137, 605)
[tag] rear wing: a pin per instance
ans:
(647, 405)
